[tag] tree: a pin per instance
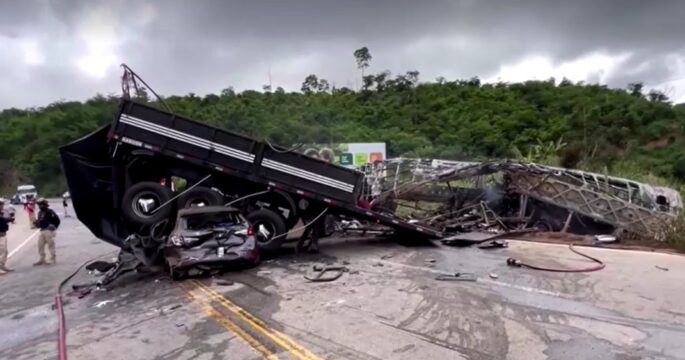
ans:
(323, 86)
(462, 119)
(363, 58)
(657, 96)
(413, 77)
(310, 84)
(635, 89)
(368, 81)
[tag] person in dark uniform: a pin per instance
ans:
(5, 220)
(47, 222)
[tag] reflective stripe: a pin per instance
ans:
(235, 153)
(187, 138)
(307, 175)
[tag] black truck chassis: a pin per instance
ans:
(97, 175)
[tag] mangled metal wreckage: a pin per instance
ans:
(121, 180)
(510, 195)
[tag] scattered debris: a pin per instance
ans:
(164, 311)
(223, 282)
(501, 196)
(337, 272)
(456, 277)
(102, 303)
(661, 268)
(493, 244)
(100, 266)
(604, 239)
(600, 265)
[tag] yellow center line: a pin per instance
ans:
(276, 336)
(231, 326)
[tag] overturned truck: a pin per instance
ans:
(128, 179)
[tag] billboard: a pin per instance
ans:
(346, 154)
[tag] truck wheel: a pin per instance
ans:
(267, 225)
(142, 199)
(200, 196)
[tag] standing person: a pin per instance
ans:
(4, 227)
(65, 204)
(47, 222)
(30, 207)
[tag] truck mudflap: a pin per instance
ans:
(88, 171)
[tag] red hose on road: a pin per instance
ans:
(600, 265)
(61, 336)
(61, 321)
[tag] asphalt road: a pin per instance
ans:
(389, 306)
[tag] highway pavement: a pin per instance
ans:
(387, 306)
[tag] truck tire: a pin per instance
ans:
(267, 224)
(200, 196)
(142, 198)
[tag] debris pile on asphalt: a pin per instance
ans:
(174, 193)
(489, 199)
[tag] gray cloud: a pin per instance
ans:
(70, 49)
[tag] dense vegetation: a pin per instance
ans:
(622, 131)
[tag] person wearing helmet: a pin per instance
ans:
(47, 222)
(4, 227)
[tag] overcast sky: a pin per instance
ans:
(71, 49)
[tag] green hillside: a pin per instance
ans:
(589, 126)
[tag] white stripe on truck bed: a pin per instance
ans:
(235, 153)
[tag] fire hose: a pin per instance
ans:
(59, 307)
(600, 265)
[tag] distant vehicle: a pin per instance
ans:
(207, 238)
(23, 191)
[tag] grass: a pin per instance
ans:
(674, 236)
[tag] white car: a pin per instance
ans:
(24, 190)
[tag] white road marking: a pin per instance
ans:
(24, 243)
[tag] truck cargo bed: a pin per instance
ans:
(163, 131)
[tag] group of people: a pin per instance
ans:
(47, 221)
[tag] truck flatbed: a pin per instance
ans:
(219, 153)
